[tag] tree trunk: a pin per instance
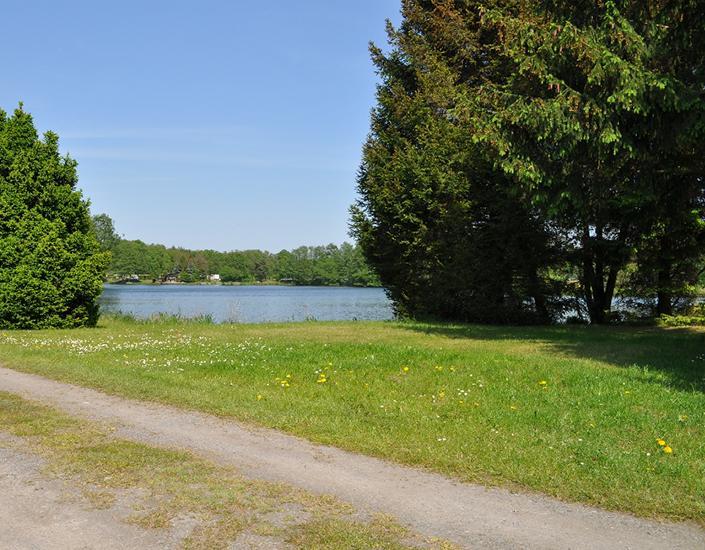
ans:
(537, 294)
(599, 277)
(664, 293)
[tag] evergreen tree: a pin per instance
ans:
(602, 119)
(449, 235)
(51, 265)
(586, 119)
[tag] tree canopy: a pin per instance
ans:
(342, 265)
(586, 122)
(51, 265)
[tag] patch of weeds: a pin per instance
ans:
(382, 533)
(100, 500)
(216, 534)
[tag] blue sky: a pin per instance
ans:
(213, 124)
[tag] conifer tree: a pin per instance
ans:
(446, 232)
(51, 265)
(589, 116)
(602, 118)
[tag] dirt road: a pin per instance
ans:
(36, 513)
(470, 515)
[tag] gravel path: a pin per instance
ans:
(35, 513)
(470, 515)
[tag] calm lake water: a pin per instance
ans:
(249, 304)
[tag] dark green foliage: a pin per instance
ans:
(449, 236)
(325, 265)
(670, 261)
(588, 121)
(51, 266)
(603, 119)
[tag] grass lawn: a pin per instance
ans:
(574, 412)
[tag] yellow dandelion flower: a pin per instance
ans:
(259, 397)
(667, 449)
(405, 369)
(661, 442)
(543, 383)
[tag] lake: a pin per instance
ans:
(249, 304)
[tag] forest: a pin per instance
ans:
(328, 265)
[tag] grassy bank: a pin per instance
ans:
(607, 416)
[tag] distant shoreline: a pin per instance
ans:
(254, 283)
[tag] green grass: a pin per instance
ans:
(176, 484)
(466, 401)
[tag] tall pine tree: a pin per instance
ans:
(602, 120)
(586, 119)
(449, 235)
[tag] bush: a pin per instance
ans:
(51, 265)
(682, 320)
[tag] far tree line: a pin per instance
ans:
(328, 265)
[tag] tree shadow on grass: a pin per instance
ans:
(678, 353)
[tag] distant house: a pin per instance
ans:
(215, 278)
(170, 279)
